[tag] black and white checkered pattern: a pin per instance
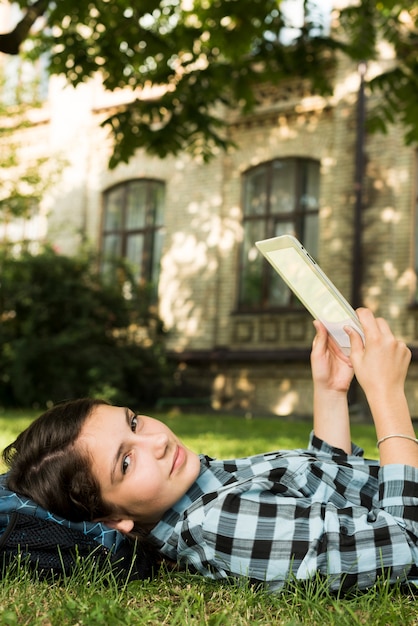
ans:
(297, 513)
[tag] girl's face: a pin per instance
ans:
(141, 466)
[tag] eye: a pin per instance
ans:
(134, 423)
(126, 461)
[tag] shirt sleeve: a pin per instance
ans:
(398, 495)
(319, 445)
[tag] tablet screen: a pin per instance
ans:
(307, 285)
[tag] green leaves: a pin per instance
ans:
(65, 333)
(207, 56)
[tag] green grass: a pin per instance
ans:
(230, 437)
(89, 597)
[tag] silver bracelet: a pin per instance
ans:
(400, 437)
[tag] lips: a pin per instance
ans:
(179, 456)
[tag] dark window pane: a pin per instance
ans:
(134, 251)
(136, 206)
(311, 234)
(310, 186)
(113, 209)
(280, 197)
(111, 251)
(283, 187)
(111, 246)
(251, 275)
(255, 192)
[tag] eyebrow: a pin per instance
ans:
(119, 451)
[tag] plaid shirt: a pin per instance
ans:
(294, 514)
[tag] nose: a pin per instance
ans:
(157, 443)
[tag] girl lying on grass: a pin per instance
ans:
(298, 513)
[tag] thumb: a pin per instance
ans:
(356, 341)
(321, 335)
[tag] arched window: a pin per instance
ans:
(133, 228)
(279, 197)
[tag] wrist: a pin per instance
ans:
(384, 400)
(329, 392)
(329, 400)
(391, 415)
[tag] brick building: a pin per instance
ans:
(237, 336)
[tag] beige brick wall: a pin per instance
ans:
(203, 233)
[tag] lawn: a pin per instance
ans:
(91, 597)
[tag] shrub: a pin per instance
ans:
(65, 333)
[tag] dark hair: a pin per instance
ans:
(46, 466)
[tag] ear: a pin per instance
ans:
(124, 525)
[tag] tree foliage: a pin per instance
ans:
(66, 333)
(23, 181)
(204, 56)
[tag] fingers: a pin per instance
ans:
(356, 341)
(324, 343)
(373, 327)
(379, 339)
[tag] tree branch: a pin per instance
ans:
(10, 42)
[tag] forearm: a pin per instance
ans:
(331, 374)
(391, 417)
(331, 418)
(381, 366)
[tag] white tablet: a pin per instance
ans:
(313, 288)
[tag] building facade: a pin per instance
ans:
(237, 335)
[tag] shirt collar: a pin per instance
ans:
(212, 477)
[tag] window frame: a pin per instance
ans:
(298, 218)
(149, 229)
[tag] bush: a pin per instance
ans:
(65, 333)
